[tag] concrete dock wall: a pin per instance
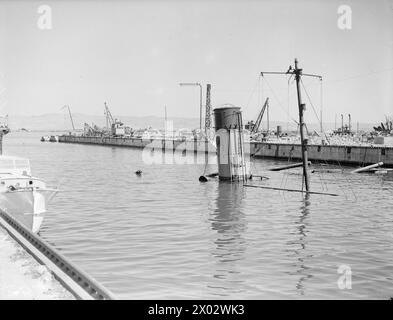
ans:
(352, 155)
(174, 145)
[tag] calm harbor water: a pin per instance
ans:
(165, 235)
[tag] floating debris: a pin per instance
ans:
(203, 179)
(368, 168)
(290, 166)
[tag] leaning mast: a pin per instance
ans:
(302, 108)
(298, 73)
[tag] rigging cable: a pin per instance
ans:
(279, 103)
(309, 99)
(252, 92)
(321, 104)
(312, 105)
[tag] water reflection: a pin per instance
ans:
(229, 222)
(301, 253)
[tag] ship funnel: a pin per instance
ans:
(232, 164)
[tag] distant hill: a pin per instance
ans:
(61, 122)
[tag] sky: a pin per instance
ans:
(134, 54)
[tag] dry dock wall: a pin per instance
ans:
(351, 155)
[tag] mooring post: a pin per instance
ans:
(302, 107)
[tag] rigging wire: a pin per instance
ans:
(309, 99)
(288, 102)
(361, 75)
(252, 92)
(315, 112)
(278, 100)
(321, 104)
(334, 81)
(259, 90)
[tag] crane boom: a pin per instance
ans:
(260, 116)
(69, 112)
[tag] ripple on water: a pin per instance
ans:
(165, 235)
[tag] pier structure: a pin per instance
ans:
(81, 285)
(334, 154)
(23, 277)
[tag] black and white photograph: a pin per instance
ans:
(211, 151)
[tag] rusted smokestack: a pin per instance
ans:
(232, 165)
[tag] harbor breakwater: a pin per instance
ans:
(154, 144)
(335, 154)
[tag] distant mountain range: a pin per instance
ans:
(62, 122)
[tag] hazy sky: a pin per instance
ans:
(133, 54)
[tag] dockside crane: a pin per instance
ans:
(108, 116)
(114, 127)
(69, 112)
(258, 122)
(386, 128)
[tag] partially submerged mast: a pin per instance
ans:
(302, 107)
(298, 73)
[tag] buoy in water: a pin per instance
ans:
(138, 172)
(202, 179)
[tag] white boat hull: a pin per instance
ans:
(28, 206)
